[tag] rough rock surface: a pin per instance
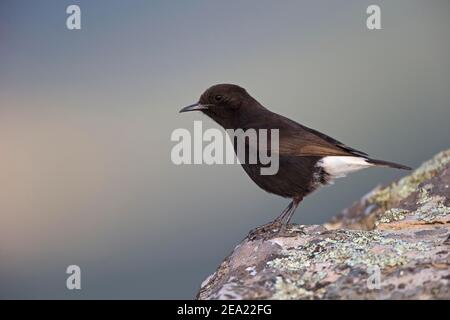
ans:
(392, 244)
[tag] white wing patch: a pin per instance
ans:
(339, 166)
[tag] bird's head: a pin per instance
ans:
(224, 103)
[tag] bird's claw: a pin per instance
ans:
(273, 229)
(265, 231)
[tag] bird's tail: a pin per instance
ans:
(388, 164)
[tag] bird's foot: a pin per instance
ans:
(265, 231)
(270, 230)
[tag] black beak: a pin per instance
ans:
(194, 107)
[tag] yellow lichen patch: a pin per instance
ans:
(404, 187)
(286, 289)
(430, 209)
(313, 266)
(350, 248)
(393, 214)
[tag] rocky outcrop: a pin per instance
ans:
(392, 244)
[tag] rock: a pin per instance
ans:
(392, 244)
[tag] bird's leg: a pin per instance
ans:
(285, 212)
(294, 205)
(286, 218)
(275, 225)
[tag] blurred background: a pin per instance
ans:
(86, 118)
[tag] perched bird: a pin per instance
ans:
(308, 158)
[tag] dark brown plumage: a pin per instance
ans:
(307, 158)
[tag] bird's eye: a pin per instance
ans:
(218, 97)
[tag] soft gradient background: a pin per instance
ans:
(86, 117)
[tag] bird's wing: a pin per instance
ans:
(303, 141)
(309, 144)
(298, 140)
